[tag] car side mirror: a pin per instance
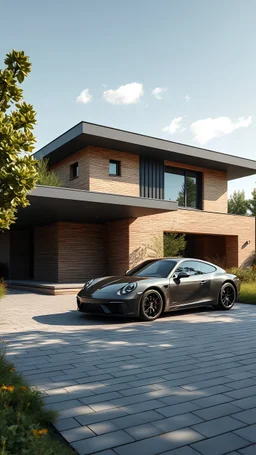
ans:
(178, 276)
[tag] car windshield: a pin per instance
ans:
(160, 269)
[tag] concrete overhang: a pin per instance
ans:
(88, 134)
(51, 204)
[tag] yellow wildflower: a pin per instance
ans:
(10, 388)
(12, 369)
(43, 431)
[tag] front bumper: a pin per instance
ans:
(108, 307)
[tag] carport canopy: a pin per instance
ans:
(53, 204)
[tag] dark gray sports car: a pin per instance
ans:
(160, 285)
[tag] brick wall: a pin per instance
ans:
(143, 230)
(99, 178)
(46, 253)
(117, 246)
(215, 187)
(81, 253)
(62, 169)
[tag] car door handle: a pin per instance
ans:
(202, 282)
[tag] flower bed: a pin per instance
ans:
(24, 423)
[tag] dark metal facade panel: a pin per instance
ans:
(151, 178)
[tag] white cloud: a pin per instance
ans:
(205, 130)
(84, 97)
(187, 98)
(126, 94)
(157, 92)
(174, 127)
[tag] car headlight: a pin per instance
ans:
(127, 289)
(87, 284)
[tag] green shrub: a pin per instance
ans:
(24, 423)
(247, 275)
(248, 293)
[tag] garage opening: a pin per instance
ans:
(219, 249)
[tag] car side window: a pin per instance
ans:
(207, 268)
(191, 267)
(195, 268)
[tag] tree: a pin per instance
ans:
(237, 204)
(190, 193)
(18, 172)
(174, 244)
(167, 245)
(252, 203)
(46, 177)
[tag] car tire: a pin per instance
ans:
(227, 296)
(151, 305)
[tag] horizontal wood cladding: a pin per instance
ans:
(151, 178)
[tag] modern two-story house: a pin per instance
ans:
(120, 192)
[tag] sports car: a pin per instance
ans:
(160, 285)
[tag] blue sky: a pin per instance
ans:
(200, 54)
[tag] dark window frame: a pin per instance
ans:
(118, 168)
(189, 173)
(72, 174)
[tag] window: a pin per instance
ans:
(115, 168)
(195, 268)
(183, 186)
(160, 268)
(74, 171)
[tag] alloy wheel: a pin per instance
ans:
(228, 295)
(152, 305)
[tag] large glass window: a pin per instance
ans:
(183, 186)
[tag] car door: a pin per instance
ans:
(191, 289)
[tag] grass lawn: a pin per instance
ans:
(248, 293)
(2, 289)
(24, 424)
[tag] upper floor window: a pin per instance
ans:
(183, 186)
(74, 171)
(115, 168)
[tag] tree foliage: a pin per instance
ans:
(174, 244)
(18, 172)
(252, 203)
(45, 176)
(237, 204)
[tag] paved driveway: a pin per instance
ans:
(182, 385)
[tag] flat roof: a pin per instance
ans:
(51, 204)
(89, 134)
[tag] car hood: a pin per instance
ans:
(110, 285)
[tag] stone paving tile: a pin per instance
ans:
(103, 427)
(251, 450)
(248, 416)
(66, 424)
(161, 443)
(248, 433)
(218, 426)
(76, 434)
(103, 442)
(181, 408)
(182, 451)
(137, 419)
(246, 403)
(217, 411)
(177, 422)
(220, 445)
(143, 431)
